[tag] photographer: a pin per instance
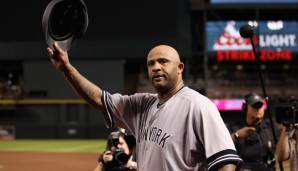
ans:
(253, 138)
(119, 153)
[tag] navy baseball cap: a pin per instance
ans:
(64, 21)
(254, 100)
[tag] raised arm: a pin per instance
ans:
(243, 133)
(282, 147)
(86, 89)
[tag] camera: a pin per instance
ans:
(286, 110)
(119, 156)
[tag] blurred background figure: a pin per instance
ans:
(253, 138)
(119, 154)
(11, 87)
(287, 148)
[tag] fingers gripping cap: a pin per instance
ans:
(64, 21)
(254, 100)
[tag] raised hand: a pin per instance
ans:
(58, 57)
(245, 132)
(132, 165)
(107, 157)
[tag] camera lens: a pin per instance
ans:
(120, 157)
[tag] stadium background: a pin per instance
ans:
(36, 102)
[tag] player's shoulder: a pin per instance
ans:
(135, 95)
(194, 96)
(197, 101)
(132, 97)
(146, 97)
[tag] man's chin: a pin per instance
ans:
(159, 87)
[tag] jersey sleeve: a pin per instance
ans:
(121, 110)
(215, 137)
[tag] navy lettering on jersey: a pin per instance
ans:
(154, 134)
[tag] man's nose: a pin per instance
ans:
(156, 67)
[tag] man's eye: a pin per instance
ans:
(150, 63)
(162, 61)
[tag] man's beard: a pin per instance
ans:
(162, 89)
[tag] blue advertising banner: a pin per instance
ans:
(272, 35)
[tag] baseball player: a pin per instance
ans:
(175, 129)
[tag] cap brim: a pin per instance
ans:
(64, 42)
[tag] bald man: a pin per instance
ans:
(175, 129)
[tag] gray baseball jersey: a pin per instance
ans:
(185, 133)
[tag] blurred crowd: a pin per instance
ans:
(11, 88)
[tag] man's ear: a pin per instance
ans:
(181, 67)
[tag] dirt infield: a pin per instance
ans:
(51, 161)
(47, 161)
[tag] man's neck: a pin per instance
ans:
(163, 97)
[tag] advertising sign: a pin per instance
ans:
(277, 40)
(230, 104)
